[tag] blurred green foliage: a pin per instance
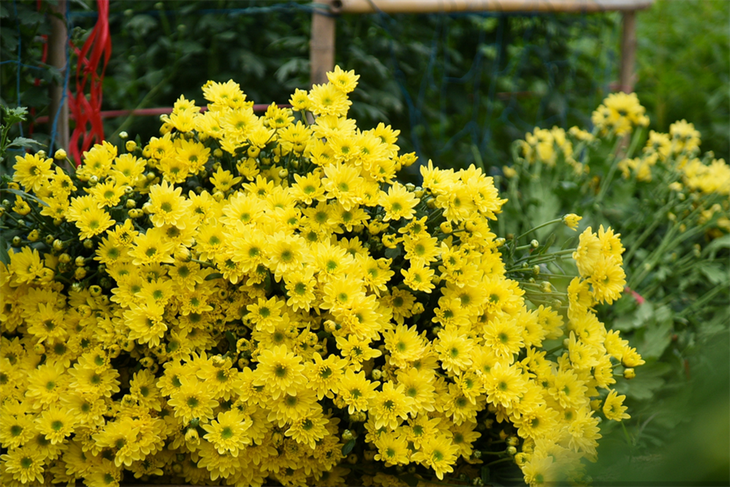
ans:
(683, 67)
(459, 87)
(676, 311)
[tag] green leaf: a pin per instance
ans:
(23, 194)
(717, 244)
(231, 340)
(4, 247)
(393, 253)
(26, 143)
(648, 379)
(644, 313)
(624, 323)
(213, 275)
(714, 273)
(14, 115)
(29, 17)
(10, 41)
(347, 447)
(656, 340)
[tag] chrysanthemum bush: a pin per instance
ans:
(253, 299)
(671, 205)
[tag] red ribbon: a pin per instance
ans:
(87, 110)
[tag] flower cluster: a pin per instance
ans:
(552, 147)
(251, 298)
(671, 207)
(619, 114)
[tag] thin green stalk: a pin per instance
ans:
(557, 220)
(501, 460)
(702, 301)
(607, 180)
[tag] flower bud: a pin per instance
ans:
(191, 436)
(571, 220)
(60, 155)
(629, 373)
(47, 275)
(130, 145)
(347, 435)
(114, 350)
(123, 135)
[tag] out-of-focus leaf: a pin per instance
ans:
(347, 447)
(4, 248)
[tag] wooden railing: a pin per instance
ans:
(322, 48)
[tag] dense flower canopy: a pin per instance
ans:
(248, 298)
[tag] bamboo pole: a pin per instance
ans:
(445, 6)
(628, 51)
(322, 45)
(57, 58)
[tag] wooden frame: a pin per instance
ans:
(322, 53)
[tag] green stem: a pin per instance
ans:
(202, 262)
(607, 180)
(702, 301)
(501, 460)
(553, 350)
(551, 222)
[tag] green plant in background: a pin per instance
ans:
(459, 87)
(10, 118)
(681, 75)
(22, 24)
(670, 204)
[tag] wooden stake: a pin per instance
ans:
(628, 51)
(57, 58)
(322, 46)
(443, 6)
